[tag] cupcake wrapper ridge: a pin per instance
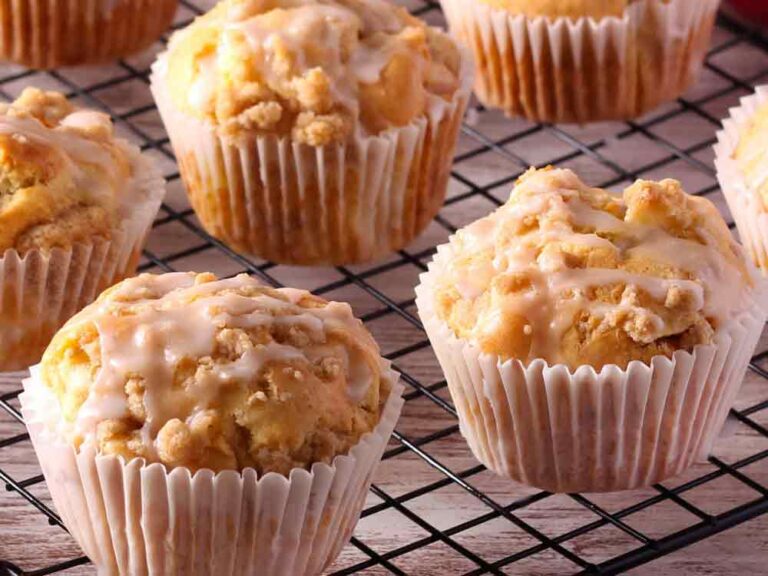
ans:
(53, 33)
(297, 204)
(40, 291)
(583, 70)
(745, 204)
(589, 431)
(136, 519)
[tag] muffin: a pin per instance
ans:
(54, 33)
(319, 132)
(75, 207)
(592, 342)
(742, 169)
(582, 60)
(245, 421)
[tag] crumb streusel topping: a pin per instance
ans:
(575, 275)
(192, 371)
(314, 70)
(62, 173)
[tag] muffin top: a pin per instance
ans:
(314, 70)
(192, 371)
(563, 8)
(62, 172)
(751, 154)
(577, 276)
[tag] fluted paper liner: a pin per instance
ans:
(298, 204)
(584, 70)
(41, 290)
(589, 431)
(745, 203)
(53, 33)
(136, 519)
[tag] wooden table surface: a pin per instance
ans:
(27, 540)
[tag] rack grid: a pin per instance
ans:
(444, 513)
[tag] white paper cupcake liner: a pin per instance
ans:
(298, 204)
(136, 519)
(53, 33)
(589, 431)
(584, 70)
(745, 203)
(40, 291)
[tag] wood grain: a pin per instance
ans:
(28, 540)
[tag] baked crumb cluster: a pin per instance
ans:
(576, 275)
(313, 69)
(192, 371)
(563, 8)
(61, 173)
(751, 155)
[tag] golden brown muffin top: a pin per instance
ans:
(577, 276)
(751, 154)
(314, 70)
(61, 173)
(192, 371)
(563, 8)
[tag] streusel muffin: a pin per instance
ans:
(583, 60)
(592, 342)
(75, 206)
(54, 33)
(313, 132)
(742, 169)
(269, 407)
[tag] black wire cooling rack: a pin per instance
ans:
(505, 525)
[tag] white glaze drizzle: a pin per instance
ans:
(203, 89)
(559, 291)
(167, 327)
(364, 65)
(78, 148)
(75, 148)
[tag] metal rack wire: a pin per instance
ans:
(493, 151)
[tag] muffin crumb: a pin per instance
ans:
(61, 173)
(192, 371)
(315, 71)
(574, 275)
(751, 155)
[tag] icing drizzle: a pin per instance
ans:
(175, 319)
(702, 276)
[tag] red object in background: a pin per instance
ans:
(754, 11)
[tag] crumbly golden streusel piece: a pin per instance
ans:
(61, 173)
(192, 371)
(312, 70)
(576, 275)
